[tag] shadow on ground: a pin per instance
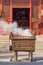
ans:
(7, 55)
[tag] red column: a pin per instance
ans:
(1, 5)
(11, 10)
(30, 15)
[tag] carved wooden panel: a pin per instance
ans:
(6, 8)
(20, 2)
(41, 25)
(35, 11)
(35, 2)
(6, 2)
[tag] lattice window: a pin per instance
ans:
(6, 2)
(41, 25)
(6, 8)
(35, 5)
(21, 13)
(35, 2)
(35, 11)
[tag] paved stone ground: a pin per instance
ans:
(5, 54)
(21, 63)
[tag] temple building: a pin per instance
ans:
(27, 13)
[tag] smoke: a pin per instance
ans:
(13, 27)
(20, 31)
(5, 26)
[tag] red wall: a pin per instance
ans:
(35, 26)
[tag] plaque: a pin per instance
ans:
(41, 12)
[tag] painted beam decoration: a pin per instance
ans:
(19, 2)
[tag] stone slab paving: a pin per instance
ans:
(21, 63)
(5, 56)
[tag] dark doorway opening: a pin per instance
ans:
(22, 16)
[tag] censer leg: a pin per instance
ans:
(30, 56)
(15, 56)
(11, 58)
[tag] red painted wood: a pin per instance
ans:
(33, 26)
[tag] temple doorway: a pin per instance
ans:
(22, 16)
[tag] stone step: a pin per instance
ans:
(4, 42)
(39, 45)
